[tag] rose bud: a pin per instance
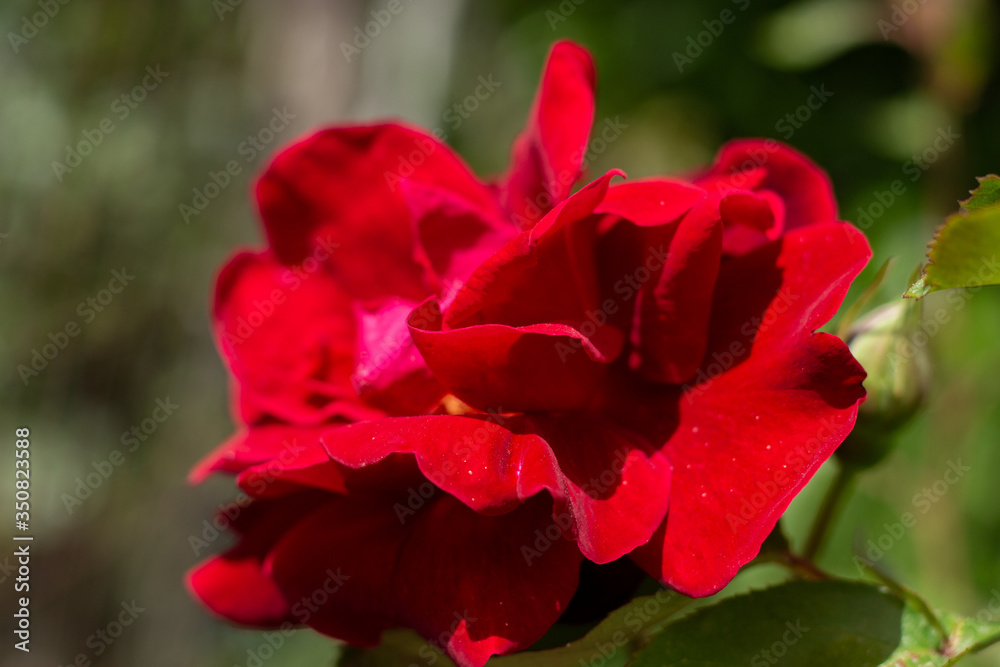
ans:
(892, 347)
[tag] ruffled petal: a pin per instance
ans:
(250, 447)
(556, 255)
(288, 338)
(516, 369)
(342, 188)
(234, 585)
(390, 374)
(771, 165)
(454, 235)
(459, 578)
(770, 404)
(611, 483)
(547, 157)
(651, 202)
(673, 306)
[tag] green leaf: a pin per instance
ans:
(398, 647)
(922, 643)
(985, 196)
(964, 250)
(613, 641)
(609, 644)
(807, 624)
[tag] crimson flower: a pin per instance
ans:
(452, 393)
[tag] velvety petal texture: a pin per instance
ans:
(345, 187)
(770, 404)
(769, 165)
(547, 158)
(451, 393)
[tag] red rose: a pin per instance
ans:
(474, 388)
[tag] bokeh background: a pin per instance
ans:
(891, 89)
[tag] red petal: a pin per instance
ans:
(547, 157)
(673, 308)
(650, 202)
(530, 337)
(288, 339)
(461, 579)
(804, 187)
(391, 375)
(236, 588)
(557, 253)
(455, 236)
(250, 447)
(748, 210)
(336, 564)
(530, 368)
(613, 484)
(772, 403)
(342, 187)
(752, 219)
(508, 578)
(234, 584)
(305, 466)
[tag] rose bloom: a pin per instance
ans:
(453, 393)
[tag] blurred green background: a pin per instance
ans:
(892, 89)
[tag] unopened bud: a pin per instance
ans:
(887, 344)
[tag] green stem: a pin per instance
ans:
(914, 598)
(828, 511)
(985, 643)
(804, 568)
